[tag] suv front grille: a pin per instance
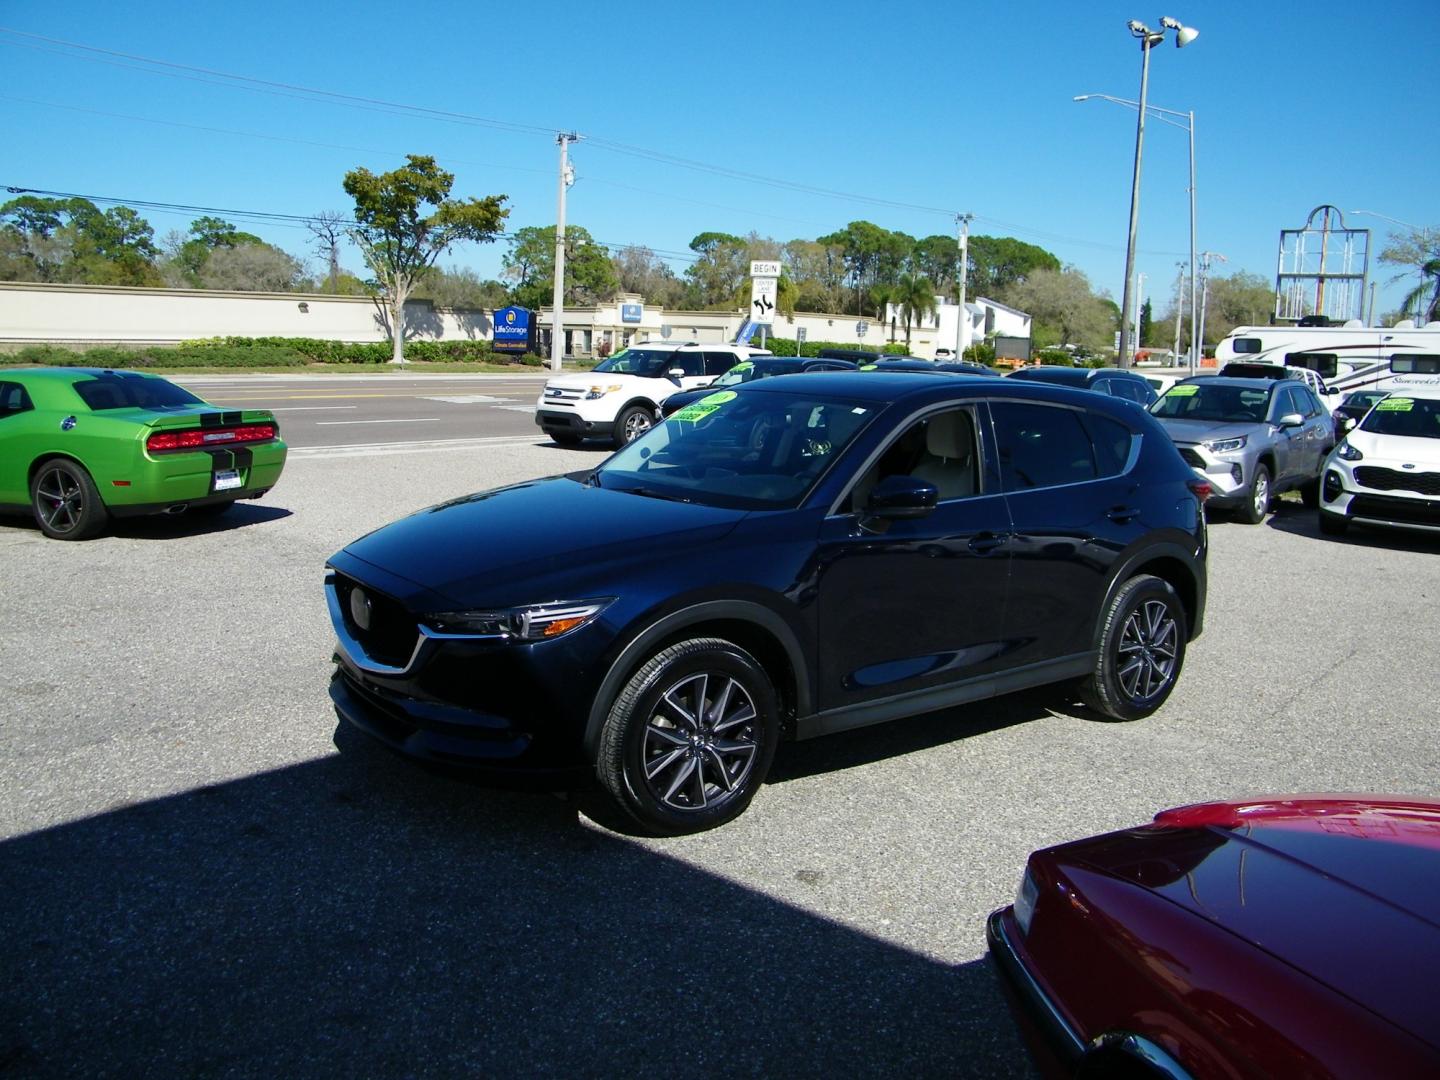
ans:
(390, 637)
(1372, 476)
(1192, 459)
(558, 395)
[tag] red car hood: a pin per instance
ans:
(1344, 888)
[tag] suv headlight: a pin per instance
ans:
(600, 391)
(1224, 446)
(540, 622)
(1346, 452)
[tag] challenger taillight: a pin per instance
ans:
(204, 438)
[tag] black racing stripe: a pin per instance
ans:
(221, 457)
(232, 419)
(212, 419)
(242, 457)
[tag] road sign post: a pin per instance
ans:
(800, 341)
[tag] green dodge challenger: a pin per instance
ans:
(80, 445)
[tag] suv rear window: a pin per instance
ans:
(132, 392)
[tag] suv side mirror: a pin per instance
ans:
(1347, 423)
(676, 373)
(901, 497)
(1291, 419)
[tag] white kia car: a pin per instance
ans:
(1386, 471)
(619, 399)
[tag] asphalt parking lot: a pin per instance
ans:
(203, 877)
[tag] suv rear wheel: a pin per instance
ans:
(1142, 648)
(689, 740)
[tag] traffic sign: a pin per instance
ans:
(665, 330)
(861, 327)
(800, 335)
(764, 269)
(763, 294)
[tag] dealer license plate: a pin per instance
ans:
(227, 480)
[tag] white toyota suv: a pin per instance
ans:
(620, 398)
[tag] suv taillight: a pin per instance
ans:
(1201, 488)
(200, 438)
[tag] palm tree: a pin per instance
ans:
(1425, 310)
(914, 295)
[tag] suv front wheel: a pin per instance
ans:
(689, 740)
(1141, 650)
(632, 423)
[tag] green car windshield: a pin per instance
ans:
(132, 392)
(749, 451)
(1415, 418)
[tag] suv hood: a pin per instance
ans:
(1402, 449)
(497, 548)
(1194, 431)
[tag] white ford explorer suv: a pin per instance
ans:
(620, 398)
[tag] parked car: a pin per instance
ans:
(619, 399)
(1250, 438)
(1386, 471)
(750, 370)
(1355, 405)
(1117, 382)
(1294, 936)
(1161, 383)
(915, 363)
(1256, 369)
(788, 558)
(79, 446)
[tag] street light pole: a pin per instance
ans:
(962, 323)
(557, 323)
(1148, 39)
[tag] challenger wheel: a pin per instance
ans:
(1141, 650)
(689, 740)
(66, 504)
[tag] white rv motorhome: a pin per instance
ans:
(1349, 357)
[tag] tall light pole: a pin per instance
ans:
(1139, 308)
(1205, 257)
(1180, 314)
(557, 323)
(1148, 38)
(1164, 116)
(962, 323)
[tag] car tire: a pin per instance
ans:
(65, 501)
(1333, 524)
(1257, 500)
(632, 423)
(1310, 494)
(1141, 650)
(566, 440)
(690, 738)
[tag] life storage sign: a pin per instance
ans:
(515, 330)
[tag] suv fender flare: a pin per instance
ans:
(645, 642)
(642, 402)
(1131, 562)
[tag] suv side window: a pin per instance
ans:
(1285, 403)
(942, 449)
(1112, 442)
(1041, 446)
(1309, 404)
(13, 399)
(692, 363)
(717, 363)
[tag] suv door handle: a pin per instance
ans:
(1122, 515)
(986, 542)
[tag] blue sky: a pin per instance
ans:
(942, 108)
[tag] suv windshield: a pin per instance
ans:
(1196, 401)
(1416, 418)
(752, 451)
(132, 392)
(647, 363)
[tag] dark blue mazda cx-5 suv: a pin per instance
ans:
(794, 557)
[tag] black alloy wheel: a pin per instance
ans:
(690, 739)
(66, 504)
(1141, 650)
(632, 423)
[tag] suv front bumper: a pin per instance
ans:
(555, 422)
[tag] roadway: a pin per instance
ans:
(339, 412)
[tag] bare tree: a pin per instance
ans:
(328, 228)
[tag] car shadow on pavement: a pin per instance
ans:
(1307, 523)
(334, 918)
(179, 526)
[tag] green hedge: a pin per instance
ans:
(786, 346)
(239, 352)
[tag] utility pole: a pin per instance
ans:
(1205, 257)
(1139, 305)
(962, 320)
(557, 326)
(1180, 315)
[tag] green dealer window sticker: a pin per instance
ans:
(1182, 391)
(693, 414)
(1395, 404)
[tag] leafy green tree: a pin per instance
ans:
(864, 246)
(998, 263)
(530, 267)
(405, 219)
(1418, 250)
(722, 267)
(187, 258)
(461, 287)
(937, 257)
(1146, 315)
(257, 267)
(914, 295)
(1066, 309)
(1242, 299)
(638, 270)
(818, 271)
(70, 240)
